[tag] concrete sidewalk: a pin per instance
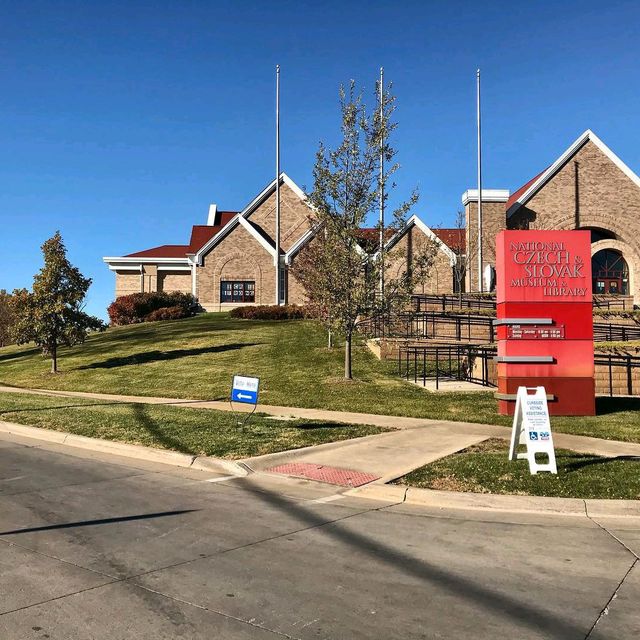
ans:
(386, 456)
(349, 417)
(413, 443)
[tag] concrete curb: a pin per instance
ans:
(139, 452)
(498, 503)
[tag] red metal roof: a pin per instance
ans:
(516, 194)
(200, 235)
(163, 251)
(453, 238)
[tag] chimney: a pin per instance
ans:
(494, 220)
(213, 210)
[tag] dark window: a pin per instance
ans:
(237, 291)
(283, 285)
(457, 281)
(610, 272)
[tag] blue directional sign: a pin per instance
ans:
(245, 389)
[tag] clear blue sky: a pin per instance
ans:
(121, 121)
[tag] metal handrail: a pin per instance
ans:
(429, 325)
(609, 332)
(449, 361)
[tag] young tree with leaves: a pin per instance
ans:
(6, 318)
(52, 314)
(340, 277)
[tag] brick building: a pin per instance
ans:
(231, 261)
(587, 187)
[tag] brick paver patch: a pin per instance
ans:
(322, 473)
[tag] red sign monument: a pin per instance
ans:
(545, 318)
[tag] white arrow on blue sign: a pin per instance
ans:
(245, 389)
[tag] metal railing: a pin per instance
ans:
(430, 325)
(448, 361)
(448, 302)
(616, 303)
(607, 332)
(614, 362)
(434, 325)
(421, 302)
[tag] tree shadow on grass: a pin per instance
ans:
(145, 422)
(161, 356)
(320, 425)
(588, 462)
(64, 406)
(605, 405)
(19, 354)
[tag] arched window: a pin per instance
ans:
(610, 272)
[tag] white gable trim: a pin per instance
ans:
(415, 221)
(246, 212)
(587, 136)
(251, 229)
(300, 243)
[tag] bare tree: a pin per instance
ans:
(466, 252)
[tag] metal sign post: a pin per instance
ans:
(244, 389)
(531, 427)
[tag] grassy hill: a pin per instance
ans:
(196, 358)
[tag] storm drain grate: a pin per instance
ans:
(331, 475)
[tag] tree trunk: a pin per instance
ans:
(347, 357)
(54, 359)
(330, 339)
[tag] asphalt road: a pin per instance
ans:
(95, 546)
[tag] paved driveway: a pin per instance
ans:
(93, 546)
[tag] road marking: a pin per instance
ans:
(335, 496)
(222, 479)
(12, 479)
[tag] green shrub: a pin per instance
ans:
(270, 312)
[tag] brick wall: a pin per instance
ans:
(590, 191)
(440, 279)
(294, 217)
(127, 283)
(239, 256)
(174, 281)
(494, 220)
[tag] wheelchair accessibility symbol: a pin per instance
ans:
(533, 435)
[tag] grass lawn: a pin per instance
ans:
(194, 431)
(484, 468)
(196, 358)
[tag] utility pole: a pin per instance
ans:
(278, 293)
(381, 184)
(479, 187)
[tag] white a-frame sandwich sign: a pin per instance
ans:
(531, 427)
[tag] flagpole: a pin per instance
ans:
(479, 187)
(381, 183)
(278, 293)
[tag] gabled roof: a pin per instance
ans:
(414, 221)
(246, 212)
(163, 251)
(518, 192)
(204, 237)
(369, 238)
(454, 238)
(525, 193)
